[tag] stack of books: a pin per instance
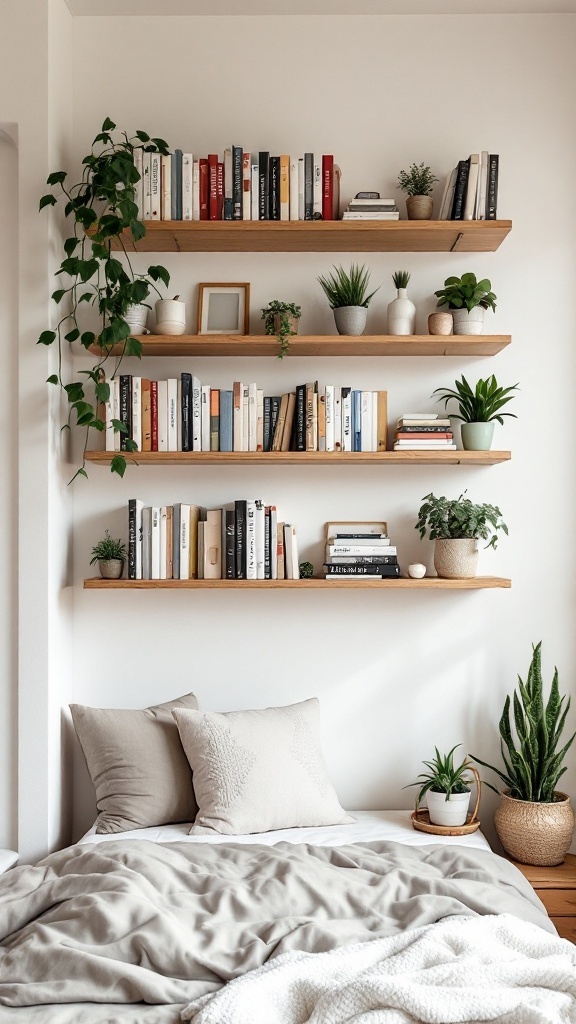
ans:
(240, 541)
(185, 415)
(423, 431)
(471, 190)
(240, 186)
(360, 550)
(373, 208)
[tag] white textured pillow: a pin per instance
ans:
(255, 771)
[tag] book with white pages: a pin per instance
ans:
(419, 416)
(250, 539)
(196, 415)
(346, 419)
(155, 544)
(196, 190)
(246, 186)
(259, 527)
(472, 187)
(480, 211)
(317, 188)
(173, 416)
(374, 444)
(337, 419)
(329, 406)
(292, 568)
(252, 418)
(162, 416)
(166, 184)
(146, 194)
(163, 541)
(293, 193)
(273, 542)
(360, 550)
(155, 185)
(245, 416)
(448, 196)
(255, 191)
(205, 418)
(137, 412)
(184, 542)
(366, 421)
(187, 185)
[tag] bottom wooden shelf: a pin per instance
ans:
(428, 583)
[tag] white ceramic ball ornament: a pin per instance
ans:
(416, 571)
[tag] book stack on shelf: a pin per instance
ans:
(423, 431)
(360, 551)
(471, 190)
(185, 415)
(241, 186)
(242, 541)
(369, 206)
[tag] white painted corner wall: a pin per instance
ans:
(396, 673)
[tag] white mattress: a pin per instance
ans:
(369, 826)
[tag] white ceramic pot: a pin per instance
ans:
(477, 437)
(456, 559)
(448, 812)
(468, 322)
(170, 316)
(136, 316)
(417, 570)
(401, 314)
(350, 319)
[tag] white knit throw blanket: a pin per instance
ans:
(463, 969)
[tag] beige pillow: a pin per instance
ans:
(137, 765)
(255, 771)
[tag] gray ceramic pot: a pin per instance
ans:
(111, 568)
(350, 319)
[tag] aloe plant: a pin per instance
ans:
(443, 776)
(480, 404)
(533, 764)
(347, 289)
(401, 278)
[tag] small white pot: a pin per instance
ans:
(350, 320)
(170, 316)
(417, 571)
(449, 812)
(136, 316)
(401, 314)
(468, 322)
(455, 558)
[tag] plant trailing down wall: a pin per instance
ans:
(103, 204)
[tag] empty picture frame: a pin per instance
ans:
(223, 308)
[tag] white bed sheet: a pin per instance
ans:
(368, 827)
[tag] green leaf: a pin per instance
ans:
(46, 338)
(108, 125)
(102, 391)
(159, 274)
(59, 294)
(143, 136)
(72, 335)
(56, 178)
(138, 230)
(118, 465)
(133, 347)
(70, 245)
(88, 338)
(53, 379)
(48, 200)
(75, 391)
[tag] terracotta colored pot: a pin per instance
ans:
(535, 833)
(440, 323)
(419, 207)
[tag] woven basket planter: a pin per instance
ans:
(455, 558)
(535, 833)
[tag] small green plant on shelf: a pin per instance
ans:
(443, 776)
(107, 549)
(480, 404)
(418, 180)
(466, 293)
(459, 519)
(401, 278)
(281, 319)
(94, 280)
(306, 570)
(347, 288)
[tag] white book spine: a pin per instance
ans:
(245, 392)
(360, 551)
(290, 553)
(137, 412)
(237, 416)
(109, 414)
(471, 189)
(260, 420)
(166, 183)
(254, 190)
(155, 185)
(346, 420)
(301, 188)
(293, 195)
(179, 415)
(259, 520)
(139, 507)
(251, 540)
(196, 415)
(163, 541)
(315, 422)
(173, 408)
(146, 194)
(329, 417)
(246, 186)
(139, 196)
(317, 188)
(162, 415)
(273, 542)
(187, 172)
(374, 421)
(337, 419)
(184, 542)
(448, 195)
(116, 411)
(252, 417)
(205, 418)
(322, 406)
(196, 190)
(155, 545)
(482, 184)
(366, 421)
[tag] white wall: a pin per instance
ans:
(396, 673)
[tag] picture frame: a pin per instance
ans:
(223, 308)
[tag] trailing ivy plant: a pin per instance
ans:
(101, 207)
(279, 319)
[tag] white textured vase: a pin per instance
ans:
(456, 559)
(447, 812)
(401, 314)
(350, 319)
(135, 316)
(468, 322)
(170, 316)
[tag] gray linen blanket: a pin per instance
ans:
(133, 922)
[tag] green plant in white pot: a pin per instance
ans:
(446, 787)
(348, 296)
(455, 525)
(534, 821)
(478, 409)
(467, 299)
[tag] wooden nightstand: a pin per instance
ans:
(556, 887)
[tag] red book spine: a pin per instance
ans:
(212, 186)
(154, 415)
(203, 169)
(327, 187)
(219, 190)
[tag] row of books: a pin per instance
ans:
(241, 186)
(423, 431)
(471, 190)
(373, 208)
(243, 540)
(185, 415)
(362, 551)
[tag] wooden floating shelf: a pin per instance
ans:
(319, 345)
(319, 236)
(430, 583)
(408, 458)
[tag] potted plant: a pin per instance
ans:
(101, 207)
(346, 293)
(446, 787)
(417, 183)
(478, 408)
(534, 820)
(467, 298)
(401, 311)
(455, 525)
(110, 555)
(281, 319)
(170, 316)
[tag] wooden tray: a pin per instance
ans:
(421, 822)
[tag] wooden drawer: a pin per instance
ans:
(566, 927)
(558, 902)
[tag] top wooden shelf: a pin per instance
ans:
(320, 236)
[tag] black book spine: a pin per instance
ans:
(460, 190)
(125, 409)
(240, 519)
(308, 186)
(492, 190)
(186, 379)
(230, 527)
(267, 440)
(300, 418)
(274, 410)
(365, 560)
(263, 176)
(267, 543)
(132, 539)
(376, 569)
(274, 191)
(237, 181)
